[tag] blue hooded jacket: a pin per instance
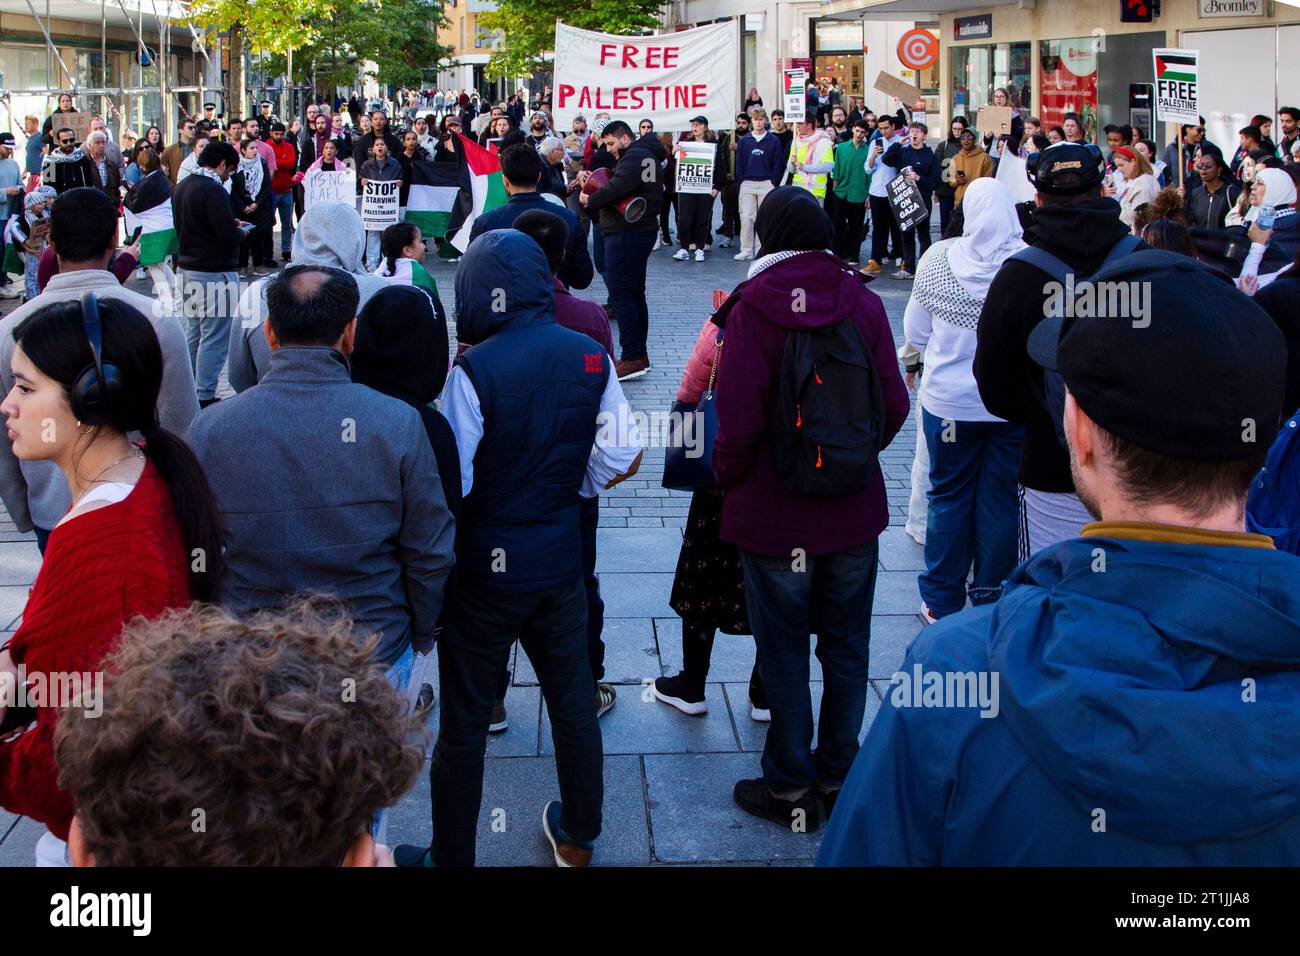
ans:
(539, 387)
(1147, 714)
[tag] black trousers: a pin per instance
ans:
(848, 228)
(665, 213)
(694, 220)
(919, 233)
(259, 245)
(473, 649)
(884, 228)
(730, 210)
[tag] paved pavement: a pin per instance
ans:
(668, 777)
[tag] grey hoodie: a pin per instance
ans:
(329, 234)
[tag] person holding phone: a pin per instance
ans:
(250, 198)
(970, 164)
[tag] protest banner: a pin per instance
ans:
(78, 122)
(994, 119)
(667, 78)
(1177, 100)
(379, 203)
(905, 199)
(796, 84)
(337, 186)
(891, 85)
(1013, 173)
(695, 168)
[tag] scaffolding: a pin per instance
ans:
(173, 20)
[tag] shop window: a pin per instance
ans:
(977, 71)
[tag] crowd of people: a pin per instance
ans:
(1081, 481)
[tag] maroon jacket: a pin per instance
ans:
(758, 513)
(582, 315)
(122, 266)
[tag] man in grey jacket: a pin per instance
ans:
(327, 487)
(83, 233)
(329, 234)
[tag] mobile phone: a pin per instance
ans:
(1267, 216)
(246, 228)
(135, 236)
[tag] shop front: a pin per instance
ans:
(839, 55)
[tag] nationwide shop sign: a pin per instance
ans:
(667, 78)
(1177, 100)
(795, 82)
(695, 168)
(905, 199)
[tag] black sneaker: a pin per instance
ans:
(500, 722)
(407, 855)
(800, 816)
(678, 692)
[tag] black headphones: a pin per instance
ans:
(98, 385)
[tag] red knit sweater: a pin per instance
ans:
(101, 569)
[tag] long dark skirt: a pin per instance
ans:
(709, 586)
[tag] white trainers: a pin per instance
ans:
(659, 243)
(699, 255)
(681, 255)
(743, 255)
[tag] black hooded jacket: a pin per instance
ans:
(638, 172)
(1010, 382)
(401, 349)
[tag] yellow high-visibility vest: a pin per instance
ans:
(815, 183)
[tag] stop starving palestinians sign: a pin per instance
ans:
(1176, 96)
(668, 78)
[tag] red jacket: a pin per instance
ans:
(286, 161)
(100, 570)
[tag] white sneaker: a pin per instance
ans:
(659, 243)
(11, 290)
(743, 255)
(681, 255)
(725, 243)
(699, 255)
(927, 615)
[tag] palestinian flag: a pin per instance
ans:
(487, 191)
(13, 262)
(436, 188)
(409, 272)
(1176, 67)
(149, 208)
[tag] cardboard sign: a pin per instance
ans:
(994, 119)
(379, 203)
(78, 122)
(339, 186)
(695, 168)
(891, 85)
(795, 82)
(905, 199)
(1177, 99)
(38, 236)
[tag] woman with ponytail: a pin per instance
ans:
(142, 535)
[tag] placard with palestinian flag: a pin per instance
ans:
(149, 208)
(1176, 96)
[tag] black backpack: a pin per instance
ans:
(828, 424)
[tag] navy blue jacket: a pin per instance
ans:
(539, 387)
(928, 168)
(1145, 716)
(576, 269)
(759, 159)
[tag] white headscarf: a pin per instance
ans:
(1279, 190)
(991, 233)
(252, 170)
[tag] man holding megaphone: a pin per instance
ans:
(628, 200)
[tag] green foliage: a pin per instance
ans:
(529, 27)
(271, 27)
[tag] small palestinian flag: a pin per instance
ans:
(487, 190)
(409, 272)
(435, 189)
(13, 262)
(1176, 67)
(149, 208)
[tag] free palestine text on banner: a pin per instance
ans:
(1176, 95)
(668, 78)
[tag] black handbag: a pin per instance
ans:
(688, 461)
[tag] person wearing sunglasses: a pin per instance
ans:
(67, 166)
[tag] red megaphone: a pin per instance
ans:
(632, 208)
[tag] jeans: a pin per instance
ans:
(42, 538)
(372, 253)
(752, 193)
(884, 228)
(598, 247)
(474, 648)
(973, 511)
(831, 596)
(208, 301)
(31, 264)
(626, 254)
(399, 675)
(283, 203)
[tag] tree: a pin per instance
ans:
(528, 27)
(272, 27)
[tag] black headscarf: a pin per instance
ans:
(792, 220)
(401, 345)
